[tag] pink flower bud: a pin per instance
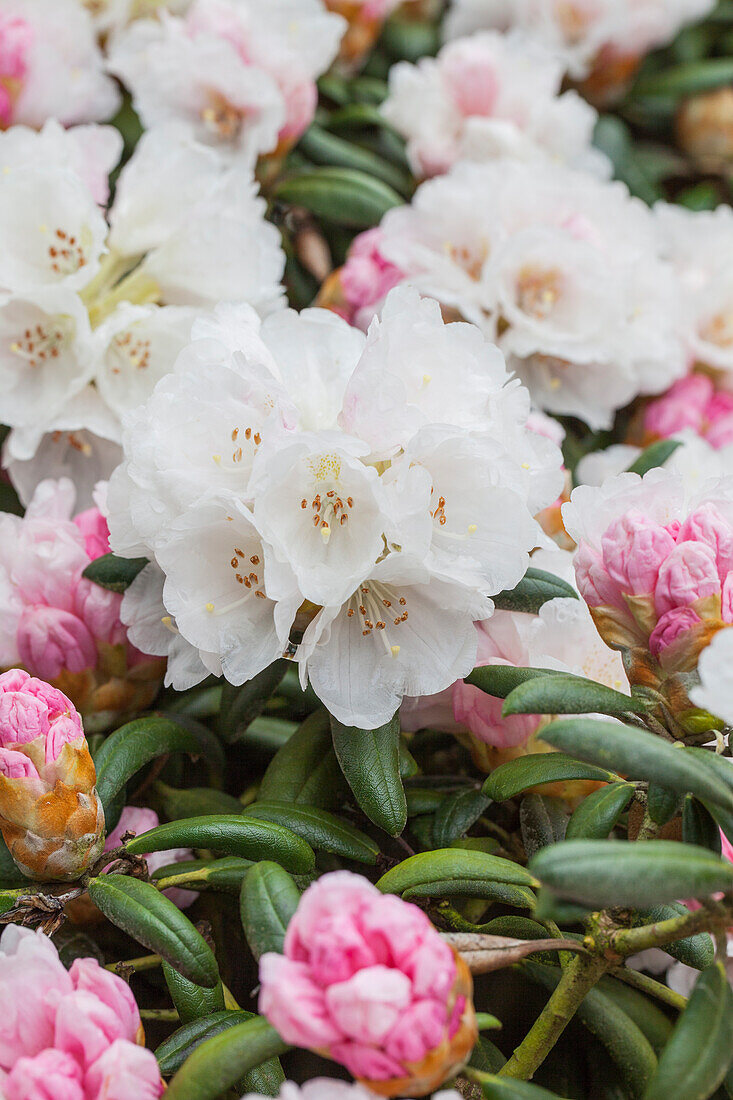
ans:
(99, 609)
(367, 276)
(124, 1072)
(51, 1075)
(95, 531)
(50, 640)
(672, 625)
(30, 971)
(300, 106)
(682, 406)
(50, 816)
(706, 525)
(689, 573)
(481, 714)
(16, 39)
(594, 581)
(366, 980)
(634, 548)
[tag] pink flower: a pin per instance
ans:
(470, 74)
(366, 277)
(366, 980)
(93, 527)
(16, 38)
(140, 819)
(68, 1035)
(634, 548)
(689, 573)
(50, 639)
(692, 402)
(671, 626)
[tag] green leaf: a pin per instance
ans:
(194, 801)
(698, 1054)
(456, 814)
(535, 589)
(217, 1063)
(410, 39)
(322, 147)
(637, 754)
(520, 897)
(322, 830)
(507, 1088)
(699, 826)
(224, 875)
(423, 800)
(155, 922)
(662, 805)
(370, 761)
(539, 768)
(172, 1053)
(240, 705)
(236, 836)
(135, 744)
(696, 951)
(268, 900)
(501, 680)
(645, 1013)
(653, 456)
(567, 694)
(613, 137)
(305, 769)
(687, 79)
(116, 574)
(343, 196)
(599, 873)
(542, 821)
(192, 1001)
(597, 814)
(447, 864)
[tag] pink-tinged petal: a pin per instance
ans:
(124, 1071)
(366, 1062)
(368, 1006)
(16, 765)
(634, 548)
(594, 582)
(294, 1004)
(89, 977)
(481, 714)
(471, 77)
(51, 1075)
(689, 573)
(50, 640)
(133, 819)
(85, 1026)
(684, 405)
(707, 525)
(30, 975)
(432, 967)
(64, 730)
(420, 1029)
(99, 609)
(95, 532)
(671, 626)
(22, 718)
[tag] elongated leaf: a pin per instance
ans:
(698, 1055)
(135, 744)
(343, 196)
(507, 1088)
(687, 79)
(240, 705)
(521, 897)
(172, 1053)
(237, 836)
(268, 900)
(218, 1062)
(696, 951)
(638, 755)
(451, 863)
(322, 830)
(422, 800)
(116, 574)
(370, 761)
(597, 814)
(501, 680)
(536, 769)
(566, 694)
(606, 872)
(224, 875)
(324, 148)
(535, 588)
(648, 1016)
(699, 826)
(456, 814)
(194, 801)
(155, 922)
(543, 821)
(662, 804)
(305, 769)
(655, 455)
(192, 1001)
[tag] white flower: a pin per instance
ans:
(578, 31)
(91, 152)
(488, 96)
(326, 1088)
(561, 269)
(239, 74)
(383, 543)
(715, 666)
(56, 68)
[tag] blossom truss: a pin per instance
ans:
(582, 33)
(349, 501)
(561, 269)
(486, 96)
(238, 73)
(51, 65)
(94, 308)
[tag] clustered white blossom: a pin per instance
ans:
(370, 494)
(94, 307)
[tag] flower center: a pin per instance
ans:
(128, 351)
(66, 252)
(247, 572)
(718, 330)
(41, 343)
(75, 440)
(538, 290)
(221, 118)
(380, 610)
(329, 510)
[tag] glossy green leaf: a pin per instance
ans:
(224, 875)
(322, 147)
(566, 694)
(172, 1053)
(192, 1001)
(344, 196)
(699, 1052)
(370, 761)
(240, 705)
(268, 900)
(135, 744)
(217, 1063)
(520, 897)
(637, 754)
(508, 1088)
(699, 826)
(305, 769)
(688, 79)
(116, 574)
(653, 456)
(194, 801)
(236, 836)
(696, 951)
(599, 873)
(597, 814)
(535, 588)
(456, 814)
(662, 804)
(542, 821)
(451, 863)
(501, 680)
(536, 769)
(645, 1013)
(322, 830)
(155, 922)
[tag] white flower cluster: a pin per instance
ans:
(350, 502)
(562, 270)
(94, 308)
